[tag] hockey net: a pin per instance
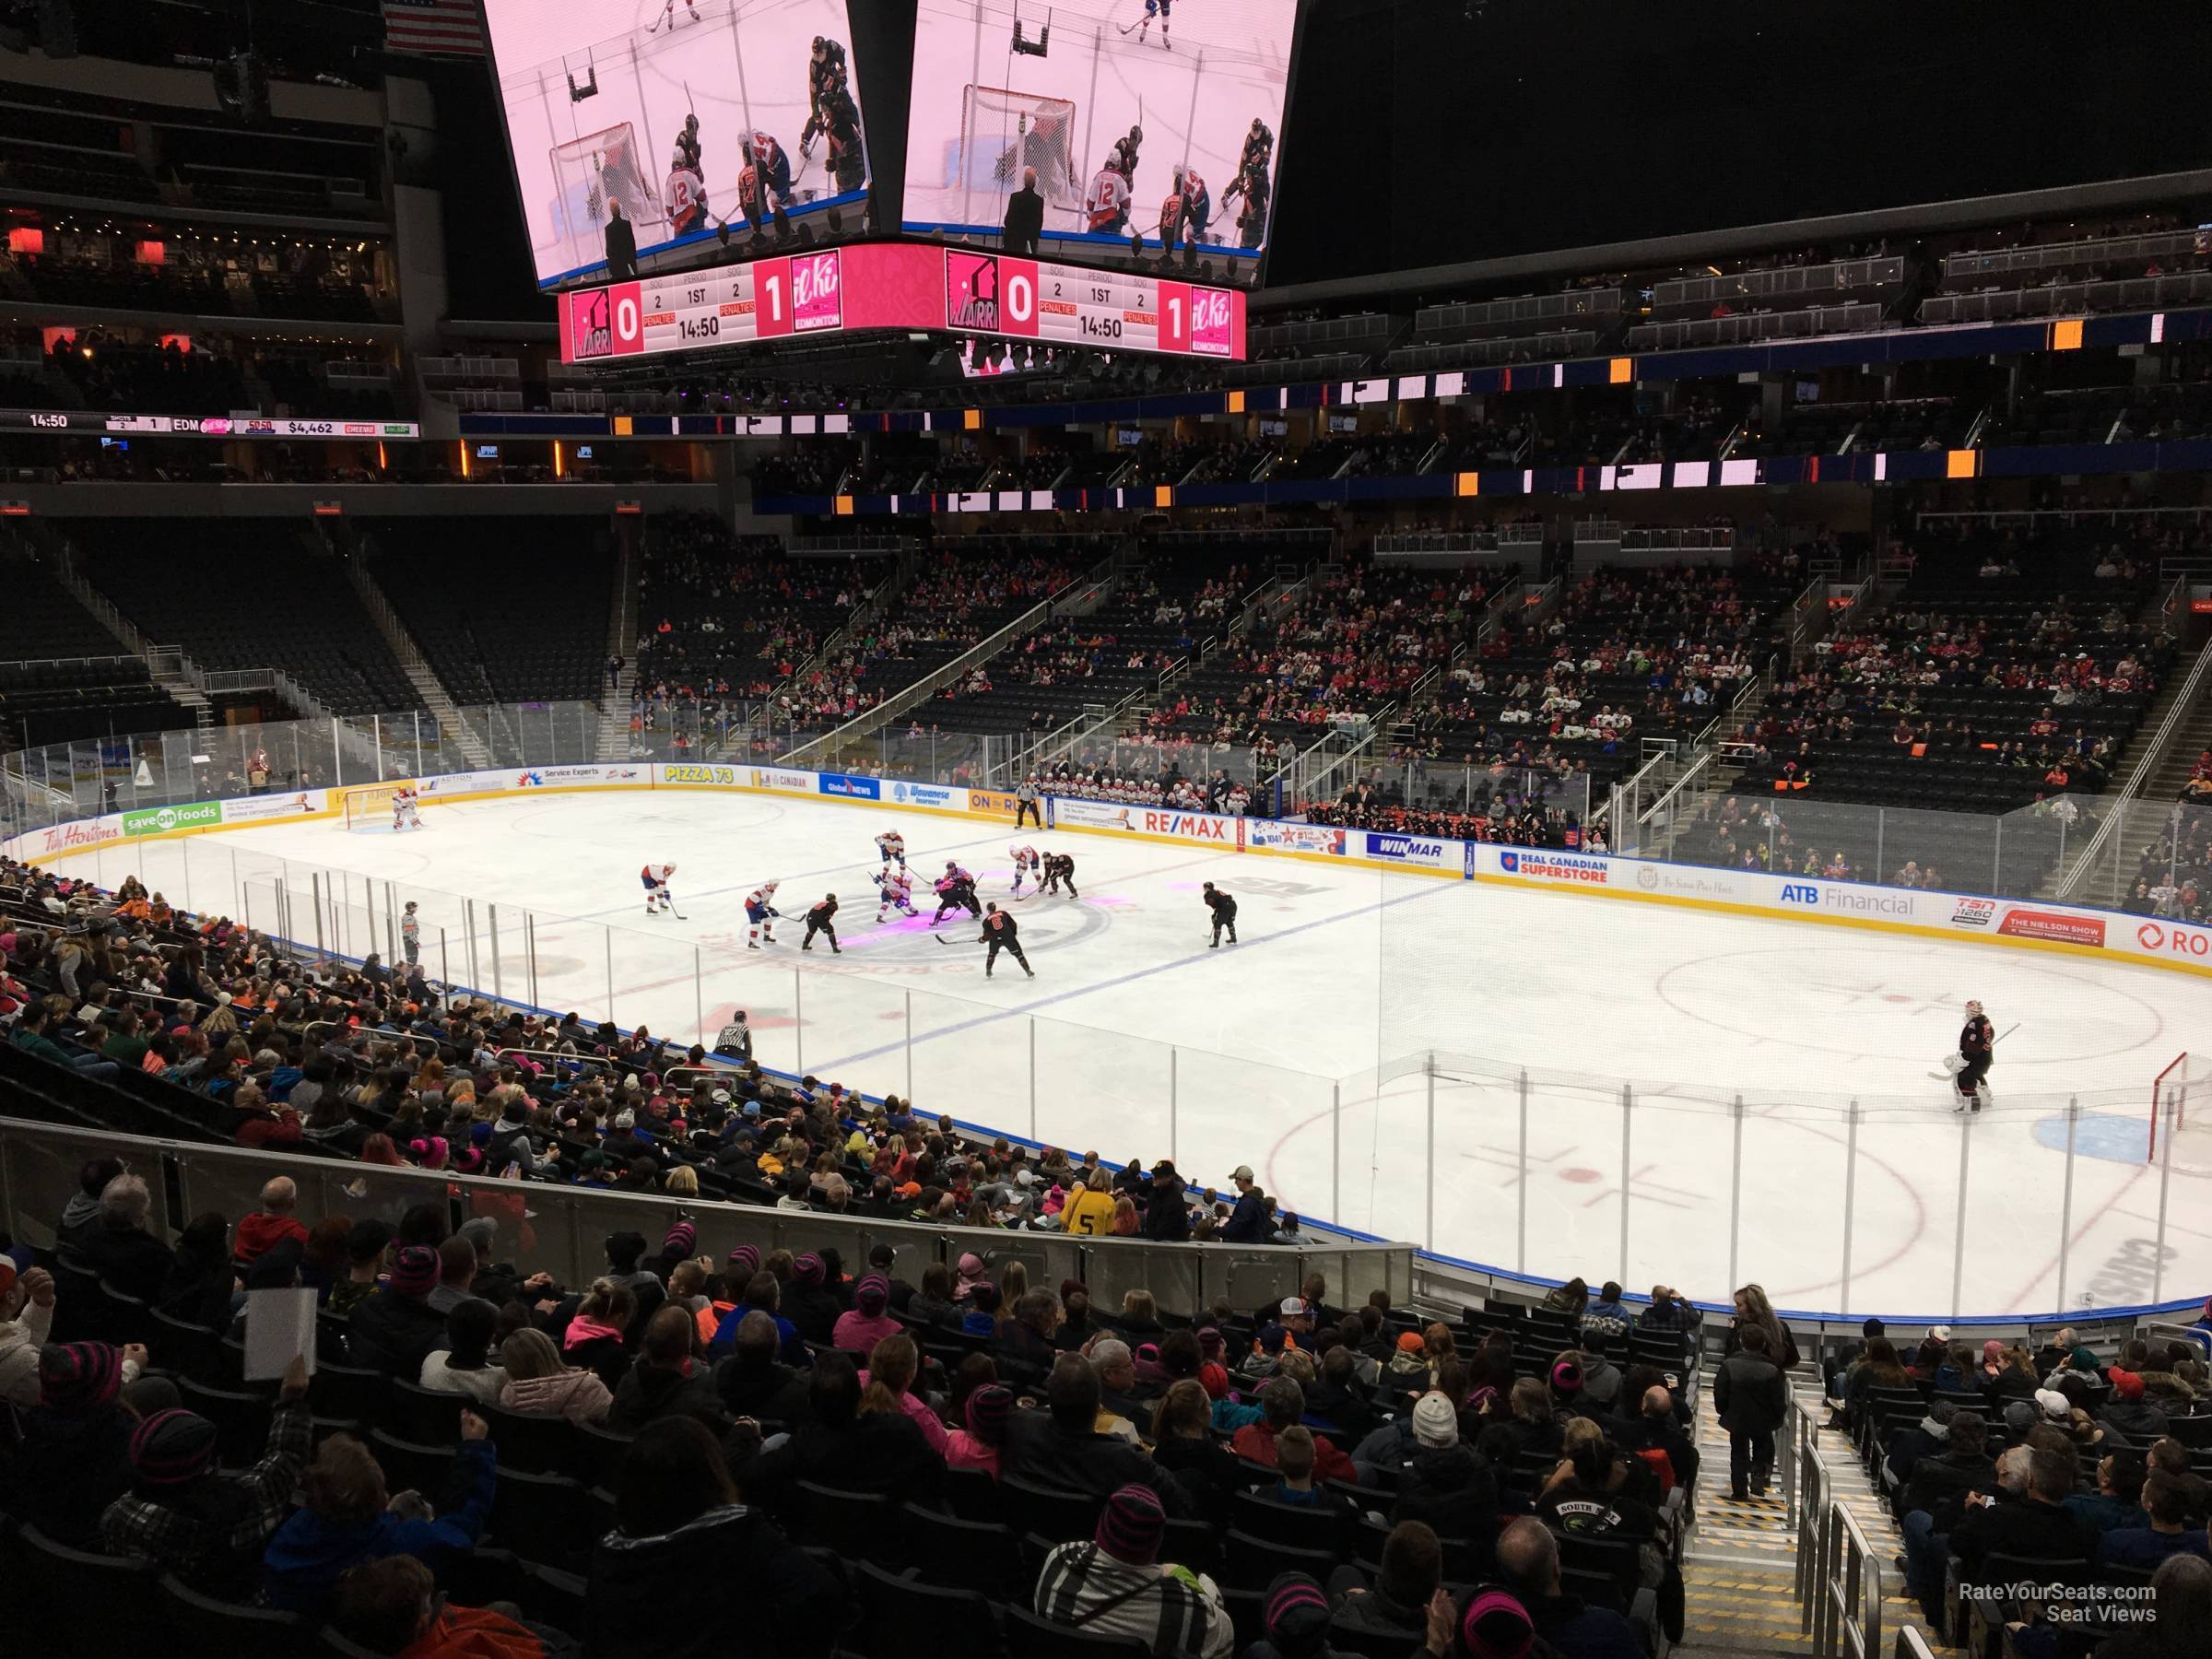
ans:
(368, 807)
(588, 173)
(2181, 1114)
(1002, 132)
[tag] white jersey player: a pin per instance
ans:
(898, 889)
(1106, 206)
(892, 846)
(1026, 863)
(655, 878)
(759, 913)
(406, 812)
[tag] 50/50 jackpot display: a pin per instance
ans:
(875, 286)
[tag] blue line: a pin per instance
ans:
(1130, 978)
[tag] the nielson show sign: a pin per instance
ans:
(2022, 922)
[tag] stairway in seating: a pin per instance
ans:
(621, 644)
(415, 665)
(168, 666)
(2149, 814)
(1740, 1560)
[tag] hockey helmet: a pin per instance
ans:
(1973, 1007)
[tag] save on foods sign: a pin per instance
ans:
(161, 820)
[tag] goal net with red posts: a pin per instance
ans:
(2181, 1114)
(589, 172)
(1003, 131)
(369, 806)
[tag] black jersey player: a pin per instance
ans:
(1977, 1047)
(955, 890)
(1225, 914)
(821, 918)
(1060, 867)
(1001, 933)
(826, 73)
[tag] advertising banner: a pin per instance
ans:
(850, 788)
(256, 810)
(2172, 941)
(937, 795)
(161, 820)
(2067, 927)
(1200, 827)
(992, 803)
(697, 774)
(1541, 863)
(1297, 838)
(1426, 852)
(778, 778)
(581, 777)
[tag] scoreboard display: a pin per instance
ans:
(900, 287)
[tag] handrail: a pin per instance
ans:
(1848, 1615)
(2137, 777)
(874, 719)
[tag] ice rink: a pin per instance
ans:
(1363, 1046)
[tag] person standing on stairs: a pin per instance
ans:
(1752, 1401)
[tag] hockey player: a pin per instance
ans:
(955, 890)
(892, 846)
(1251, 219)
(1026, 863)
(687, 143)
(898, 889)
(1060, 867)
(657, 897)
(1124, 158)
(819, 919)
(848, 162)
(1170, 218)
(759, 913)
(407, 809)
(686, 195)
(1197, 202)
(764, 186)
(1225, 914)
(1977, 1047)
(1001, 934)
(1156, 8)
(1259, 152)
(826, 73)
(667, 20)
(1106, 205)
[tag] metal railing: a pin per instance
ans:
(560, 1229)
(1847, 1611)
(2184, 700)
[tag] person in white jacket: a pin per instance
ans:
(26, 1317)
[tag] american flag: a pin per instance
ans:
(433, 26)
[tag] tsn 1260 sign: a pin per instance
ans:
(872, 285)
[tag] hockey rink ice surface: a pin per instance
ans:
(1136, 1039)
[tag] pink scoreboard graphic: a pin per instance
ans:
(875, 285)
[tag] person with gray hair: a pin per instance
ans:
(123, 1249)
(1528, 1560)
(271, 1224)
(1118, 1414)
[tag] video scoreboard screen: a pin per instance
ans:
(874, 286)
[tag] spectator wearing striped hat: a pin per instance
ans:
(394, 1330)
(1115, 1583)
(75, 1455)
(209, 1529)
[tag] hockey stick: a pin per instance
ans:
(1944, 1077)
(941, 939)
